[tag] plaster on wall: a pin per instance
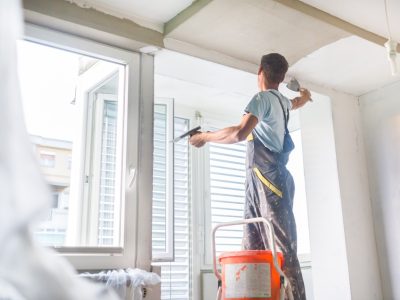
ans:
(356, 204)
(381, 118)
(340, 214)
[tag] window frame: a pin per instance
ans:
(127, 254)
(169, 254)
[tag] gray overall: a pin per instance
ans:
(269, 194)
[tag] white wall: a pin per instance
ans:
(328, 249)
(344, 255)
(381, 119)
(361, 248)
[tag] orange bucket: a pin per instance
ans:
(250, 275)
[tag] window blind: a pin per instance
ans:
(176, 275)
(227, 192)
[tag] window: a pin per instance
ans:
(69, 162)
(92, 115)
(47, 160)
(176, 274)
(80, 102)
(54, 203)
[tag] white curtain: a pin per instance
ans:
(27, 271)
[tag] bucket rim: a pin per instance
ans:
(248, 253)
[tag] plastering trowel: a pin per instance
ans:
(294, 86)
(187, 133)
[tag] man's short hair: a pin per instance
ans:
(274, 67)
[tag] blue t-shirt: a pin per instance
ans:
(271, 123)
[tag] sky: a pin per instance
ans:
(48, 77)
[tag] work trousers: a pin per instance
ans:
(269, 194)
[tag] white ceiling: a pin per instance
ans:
(148, 13)
(367, 14)
(350, 65)
(238, 32)
(247, 29)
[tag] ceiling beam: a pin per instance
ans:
(88, 18)
(335, 21)
(184, 15)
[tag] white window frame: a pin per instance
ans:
(126, 255)
(169, 254)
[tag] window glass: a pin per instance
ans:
(159, 223)
(47, 160)
(175, 275)
(73, 116)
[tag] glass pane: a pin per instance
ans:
(73, 114)
(175, 276)
(159, 223)
(107, 174)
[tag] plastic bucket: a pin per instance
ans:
(250, 275)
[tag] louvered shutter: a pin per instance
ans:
(227, 179)
(175, 276)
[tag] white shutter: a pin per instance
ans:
(175, 276)
(106, 217)
(227, 192)
(163, 182)
(159, 230)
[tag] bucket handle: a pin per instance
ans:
(271, 232)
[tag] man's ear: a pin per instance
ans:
(259, 70)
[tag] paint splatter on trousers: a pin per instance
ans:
(269, 194)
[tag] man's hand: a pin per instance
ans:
(305, 94)
(298, 102)
(197, 139)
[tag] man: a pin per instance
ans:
(269, 185)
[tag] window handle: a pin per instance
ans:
(131, 176)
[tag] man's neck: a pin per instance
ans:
(269, 86)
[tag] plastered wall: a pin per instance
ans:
(344, 254)
(381, 119)
(355, 198)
